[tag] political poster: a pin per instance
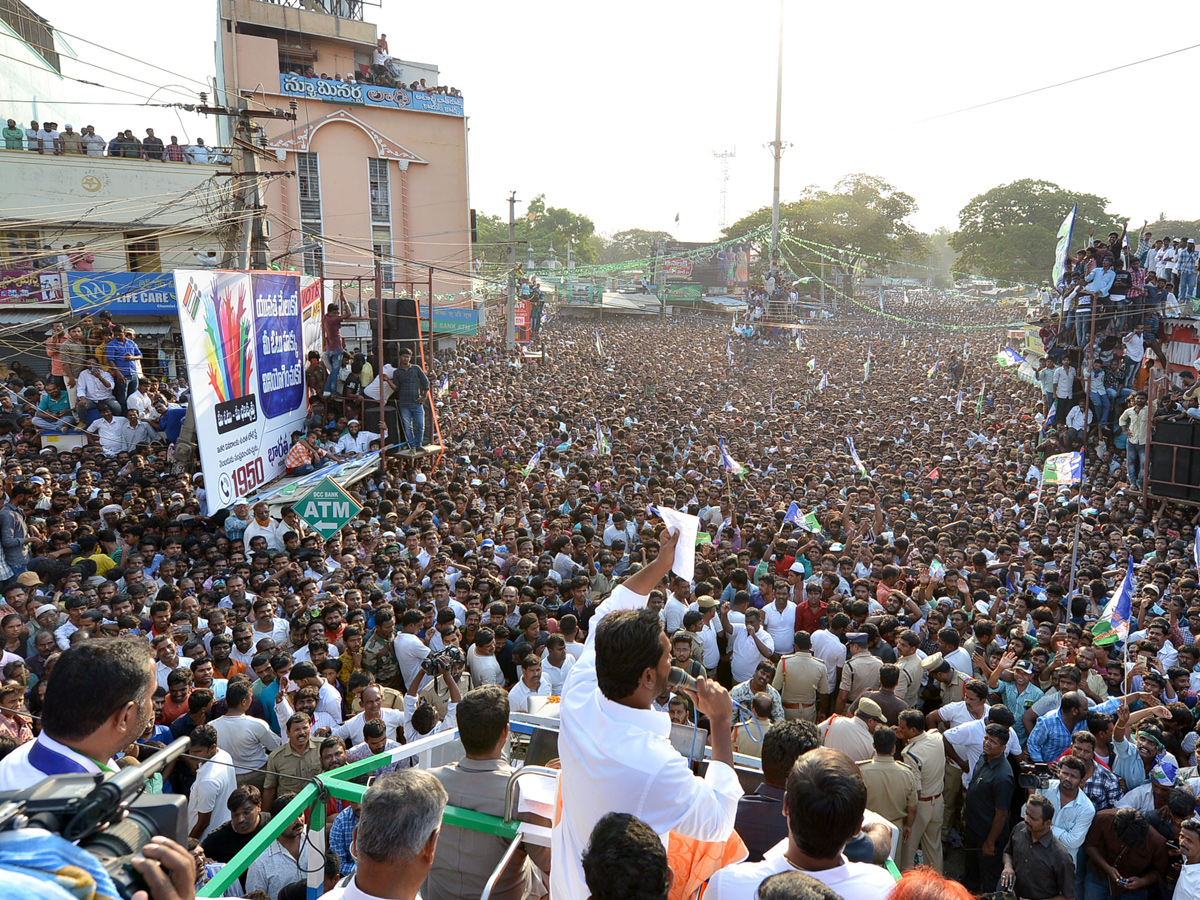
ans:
(245, 338)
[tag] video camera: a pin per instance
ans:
(104, 815)
(1034, 776)
(442, 659)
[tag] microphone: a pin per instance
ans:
(679, 680)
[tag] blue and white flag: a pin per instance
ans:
(958, 403)
(1063, 468)
(1062, 246)
(1119, 610)
(444, 386)
(772, 395)
(824, 381)
(1009, 357)
(729, 350)
(966, 348)
(537, 458)
(599, 346)
(881, 294)
(793, 515)
(854, 456)
(731, 464)
(1196, 548)
(799, 343)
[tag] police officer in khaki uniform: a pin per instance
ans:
(925, 752)
(860, 674)
(891, 785)
(801, 679)
(909, 661)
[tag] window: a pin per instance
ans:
(381, 244)
(17, 248)
(308, 176)
(142, 253)
(381, 195)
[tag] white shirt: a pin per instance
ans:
(518, 697)
(556, 677)
(409, 653)
(708, 640)
(673, 613)
(372, 389)
(1188, 885)
(618, 759)
(351, 731)
(271, 531)
(216, 779)
(91, 386)
(111, 434)
(850, 880)
(827, 648)
(960, 659)
(484, 669)
(746, 655)
(248, 740)
(18, 773)
(359, 443)
(967, 740)
(781, 625)
(350, 891)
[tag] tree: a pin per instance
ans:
(862, 217)
(631, 244)
(1009, 233)
(541, 228)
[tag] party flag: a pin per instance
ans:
(599, 346)
(854, 456)
(1063, 245)
(444, 386)
(933, 369)
(935, 474)
(958, 403)
(793, 515)
(731, 464)
(729, 350)
(537, 457)
(603, 444)
(904, 337)
(799, 343)
(1009, 357)
(966, 348)
(1063, 468)
(979, 403)
(867, 365)
(811, 523)
(812, 364)
(1196, 547)
(772, 395)
(1119, 610)
(881, 294)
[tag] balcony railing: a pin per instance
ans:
(342, 9)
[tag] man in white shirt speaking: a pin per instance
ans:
(614, 748)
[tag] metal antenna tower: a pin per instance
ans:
(725, 156)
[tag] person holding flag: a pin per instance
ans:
(731, 465)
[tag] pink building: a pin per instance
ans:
(380, 169)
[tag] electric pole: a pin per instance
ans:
(247, 248)
(777, 146)
(510, 307)
(724, 156)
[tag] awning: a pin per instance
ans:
(151, 327)
(32, 316)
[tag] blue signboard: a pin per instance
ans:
(452, 320)
(279, 342)
(369, 95)
(121, 293)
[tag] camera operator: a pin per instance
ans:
(99, 700)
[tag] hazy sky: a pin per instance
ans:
(613, 110)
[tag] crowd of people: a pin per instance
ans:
(1103, 332)
(889, 607)
(46, 138)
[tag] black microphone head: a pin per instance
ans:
(678, 679)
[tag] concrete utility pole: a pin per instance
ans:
(510, 307)
(777, 146)
(247, 247)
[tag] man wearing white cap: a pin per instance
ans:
(355, 441)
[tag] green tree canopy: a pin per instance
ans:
(538, 229)
(631, 244)
(862, 216)
(1009, 232)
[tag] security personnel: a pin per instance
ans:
(944, 680)
(860, 674)
(801, 679)
(891, 785)
(925, 752)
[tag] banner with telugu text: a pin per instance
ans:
(245, 338)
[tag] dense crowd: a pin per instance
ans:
(878, 560)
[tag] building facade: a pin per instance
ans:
(380, 170)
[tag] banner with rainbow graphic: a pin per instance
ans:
(245, 338)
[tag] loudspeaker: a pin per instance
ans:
(399, 326)
(1179, 464)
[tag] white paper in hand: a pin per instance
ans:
(685, 551)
